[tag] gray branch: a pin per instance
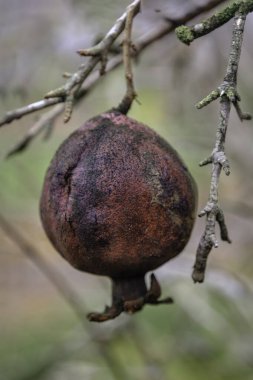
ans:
(228, 95)
(92, 79)
(98, 53)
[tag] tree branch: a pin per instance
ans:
(228, 95)
(30, 108)
(93, 79)
(188, 34)
(99, 53)
(128, 46)
(46, 119)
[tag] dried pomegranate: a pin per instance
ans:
(119, 202)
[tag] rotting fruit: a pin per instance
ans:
(119, 202)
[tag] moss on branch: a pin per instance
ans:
(188, 34)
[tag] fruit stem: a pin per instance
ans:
(127, 289)
(128, 50)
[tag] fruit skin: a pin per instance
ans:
(117, 199)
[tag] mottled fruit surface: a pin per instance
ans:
(117, 199)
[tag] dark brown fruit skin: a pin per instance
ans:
(117, 199)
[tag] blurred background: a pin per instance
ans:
(208, 332)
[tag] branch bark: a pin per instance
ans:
(188, 34)
(93, 79)
(228, 95)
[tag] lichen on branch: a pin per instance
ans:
(227, 92)
(89, 77)
(188, 34)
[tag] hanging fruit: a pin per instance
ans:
(118, 201)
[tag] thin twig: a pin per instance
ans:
(228, 95)
(30, 108)
(141, 44)
(35, 130)
(98, 53)
(130, 94)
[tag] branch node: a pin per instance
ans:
(221, 158)
(207, 209)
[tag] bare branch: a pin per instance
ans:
(104, 45)
(35, 130)
(228, 95)
(30, 108)
(98, 53)
(141, 44)
(130, 94)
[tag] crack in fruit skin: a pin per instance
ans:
(118, 201)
